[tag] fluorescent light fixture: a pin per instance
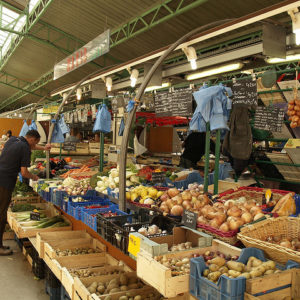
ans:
(156, 87)
(20, 115)
(78, 94)
(108, 82)
(15, 114)
(249, 72)
(133, 77)
(295, 16)
(191, 55)
(275, 60)
(214, 71)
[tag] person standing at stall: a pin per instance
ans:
(15, 158)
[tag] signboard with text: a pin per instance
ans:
(89, 52)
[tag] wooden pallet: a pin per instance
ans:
(159, 276)
(286, 284)
(269, 97)
(45, 237)
(223, 186)
(288, 172)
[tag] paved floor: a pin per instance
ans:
(16, 279)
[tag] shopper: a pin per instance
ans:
(15, 158)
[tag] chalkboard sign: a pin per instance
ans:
(189, 219)
(244, 92)
(267, 118)
(158, 177)
(69, 146)
(35, 216)
(177, 103)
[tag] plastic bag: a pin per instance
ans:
(63, 126)
(57, 135)
(32, 126)
(25, 129)
(103, 120)
(130, 105)
(122, 127)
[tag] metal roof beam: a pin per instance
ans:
(32, 19)
(156, 15)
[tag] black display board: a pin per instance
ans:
(69, 146)
(177, 103)
(189, 219)
(269, 118)
(158, 177)
(244, 92)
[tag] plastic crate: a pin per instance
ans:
(88, 215)
(58, 197)
(64, 294)
(297, 202)
(119, 228)
(38, 265)
(51, 279)
(74, 208)
(226, 288)
(103, 221)
(54, 293)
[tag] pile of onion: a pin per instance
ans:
(294, 113)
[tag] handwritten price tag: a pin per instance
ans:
(134, 245)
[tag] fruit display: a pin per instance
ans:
(227, 216)
(143, 195)
(294, 113)
(76, 251)
(181, 266)
(233, 269)
(122, 283)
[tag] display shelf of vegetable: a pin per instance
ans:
(75, 187)
(22, 189)
(171, 279)
(146, 196)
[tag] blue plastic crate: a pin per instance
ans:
(74, 208)
(297, 202)
(58, 197)
(226, 288)
(88, 216)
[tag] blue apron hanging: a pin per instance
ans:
(121, 128)
(103, 120)
(25, 129)
(57, 135)
(32, 126)
(63, 126)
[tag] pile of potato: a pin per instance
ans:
(83, 273)
(254, 268)
(122, 283)
(76, 251)
(180, 247)
(178, 266)
(130, 296)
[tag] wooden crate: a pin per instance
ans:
(8, 235)
(98, 264)
(159, 276)
(22, 232)
(26, 199)
(81, 290)
(285, 284)
(51, 246)
(44, 237)
(224, 186)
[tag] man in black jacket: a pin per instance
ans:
(15, 158)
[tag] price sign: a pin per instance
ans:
(267, 118)
(35, 216)
(244, 92)
(69, 146)
(189, 219)
(134, 245)
(158, 177)
(292, 144)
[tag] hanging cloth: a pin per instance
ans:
(24, 129)
(63, 126)
(122, 127)
(32, 126)
(139, 149)
(57, 135)
(130, 105)
(103, 120)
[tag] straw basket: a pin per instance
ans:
(256, 235)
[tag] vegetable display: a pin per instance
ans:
(19, 207)
(83, 273)
(76, 251)
(44, 222)
(143, 195)
(294, 113)
(75, 187)
(293, 244)
(254, 268)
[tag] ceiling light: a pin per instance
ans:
(65, 96)
(15, 114)
(295, 16)
(78, 94)
(191, 55)
(133, 77)
(156, 87)
(275, 60)
(108, 82)
(20, 115)
(210, 72)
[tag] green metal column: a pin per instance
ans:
(101, 152)
(206, 166)
(217, 162)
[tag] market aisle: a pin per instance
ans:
(16, 279)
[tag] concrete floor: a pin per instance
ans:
(16, 279)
